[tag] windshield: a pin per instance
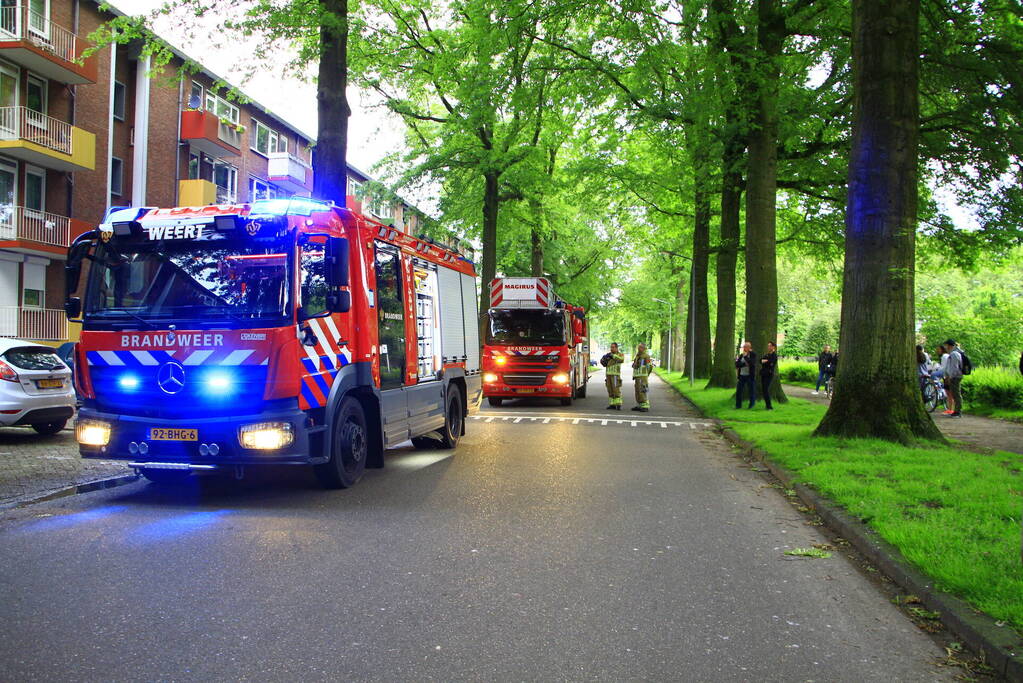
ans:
(524, 326)
(200, 280)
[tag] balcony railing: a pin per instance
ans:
(229, 134)
(19, 223)
(39, 324)
(21, 23)
(22, 123)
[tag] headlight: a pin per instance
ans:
(500, 360)
(92, 433)
(489, 377)
(560, 378)
(266, 436)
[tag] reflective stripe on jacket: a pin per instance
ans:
(614, 364)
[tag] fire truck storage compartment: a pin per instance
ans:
(452, 339)
(471, 320)
(425, 275)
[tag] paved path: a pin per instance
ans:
(32, 465)
(536, 551)
(979, 432)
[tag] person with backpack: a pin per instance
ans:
(958, 365)
(613, 376)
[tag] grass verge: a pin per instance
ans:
(952, 513)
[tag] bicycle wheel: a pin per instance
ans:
(829, 388)
(930, 397)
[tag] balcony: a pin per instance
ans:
(196, 193)
(37, 232)
(206, 133)
(32, 40)
(36, 324)
(46, 141)
(288, 171)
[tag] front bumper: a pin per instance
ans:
(502, 390)
(222, 431)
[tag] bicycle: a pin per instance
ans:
(934, 395)
(829, 387)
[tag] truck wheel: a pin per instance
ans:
(167, 477)
(349, 447)
(496, 402)
(49, 428)
(580, 391)
(453, 418)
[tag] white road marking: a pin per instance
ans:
(663, 424)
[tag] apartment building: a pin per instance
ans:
(76, 139)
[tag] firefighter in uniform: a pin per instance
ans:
(641, 365)
(613, 377)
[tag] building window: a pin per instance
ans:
(381, 208)
(35, 100)
(119, 95)
(193, 166)
(266, 140)
(222, 108)
(38, 16)
(225, 177)
(35, 189)
(116, 176)
(33, 298)
(260, 189)
(196, 97)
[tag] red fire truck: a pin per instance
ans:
(287, 331)
(536, 344)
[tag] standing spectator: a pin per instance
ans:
(824, 361)
(954, 373)
(923, 369)
(768, 364)
(613, 377)
(746, 372)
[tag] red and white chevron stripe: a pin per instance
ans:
(496, 292)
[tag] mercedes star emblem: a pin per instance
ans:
(171, 377)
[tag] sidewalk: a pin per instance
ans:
(32, 465)
(975, 431)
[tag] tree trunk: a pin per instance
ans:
(876, 393)
(722, 373)
(701, 256)
(488, 270)
(762, 189)
(535, 253)
(678, 341)
(330, 177)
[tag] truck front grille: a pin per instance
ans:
(526, 380)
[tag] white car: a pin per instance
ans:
(35, 387)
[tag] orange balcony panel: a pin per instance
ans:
(46, 48)
(202, 130)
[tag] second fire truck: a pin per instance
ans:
(536, 345)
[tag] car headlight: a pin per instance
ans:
(266, 436)
(489, 377)
(560, 378)
(92, 433)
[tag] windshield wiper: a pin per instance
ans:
(142, 320)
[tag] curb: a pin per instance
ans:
(75, 490)
(998, 646)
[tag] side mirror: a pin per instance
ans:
(337, 262)
(339, 301)
(73, 307)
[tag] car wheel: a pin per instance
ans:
(349, 447)
(49, 428)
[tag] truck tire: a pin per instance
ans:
(496, 402)
(166, 477)
(453, 418)
(49, 428)
(580, 391)
(349, 447)
(453, 422)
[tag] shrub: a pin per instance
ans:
(797, 371)
(994, 387)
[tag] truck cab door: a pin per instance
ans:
(391, 335)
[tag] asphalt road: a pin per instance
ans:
(561, 550)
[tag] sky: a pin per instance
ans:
(372, 134)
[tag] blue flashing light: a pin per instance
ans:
(128, 382)
(218, 383)
(126, 214)
(294, 206)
